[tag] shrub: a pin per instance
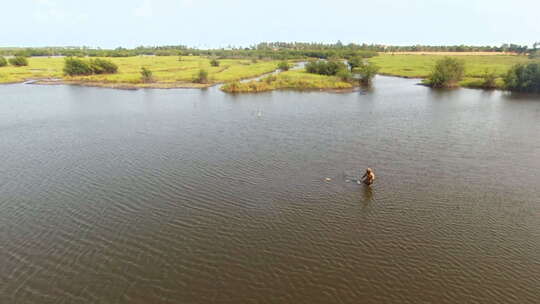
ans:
(214, 62)
(18, 61)
(101, 66)
(355, 62)
(523, 78)
(344, 75)
(367, 72)
(76, 66)
(202, 76)
(284, 66)
(3, 61)
(321, 67)
(146, 75)
(489, 80)
(447, 73)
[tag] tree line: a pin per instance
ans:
(265, 50)
(507, 47)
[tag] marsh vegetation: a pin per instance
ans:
(523, 78)
(422, 66)
(291, 80)
(178, 66)
(167, 71)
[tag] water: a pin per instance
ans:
(188, 196)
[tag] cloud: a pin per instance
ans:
(145, 9)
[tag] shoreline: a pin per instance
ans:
(189, 85)
(169, 86)
(122, 86)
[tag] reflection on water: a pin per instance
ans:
(190, 196)
(367, 193)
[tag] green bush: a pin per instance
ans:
(344, 75)
(355, 62)
(202, 76)
(3, 61)
(101, 66)
(523, 78)
(214, 62)
(447, 73)
(18, 61)
(76, 66)
(489, 80)
(366, 71)
(321, 67)
(284, 66)
(146, 75)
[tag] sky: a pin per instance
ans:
(214, 24)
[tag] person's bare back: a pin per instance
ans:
(369, 177)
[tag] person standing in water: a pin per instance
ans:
(369, 177)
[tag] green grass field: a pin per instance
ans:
(168, 71)
(290, 80)
(420, 66)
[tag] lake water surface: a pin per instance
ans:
(195, 196)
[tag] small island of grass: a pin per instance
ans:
(290, 80)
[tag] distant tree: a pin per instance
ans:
(367, 71)
(3, 61)
(284, 66)
(447, 72)
(18, 61)
(214, 62)
(76, 66)
(202, 76)
(523, 78)
(146, 75)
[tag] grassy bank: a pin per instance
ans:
(420, 66)
(290, 80)
(167, 71)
